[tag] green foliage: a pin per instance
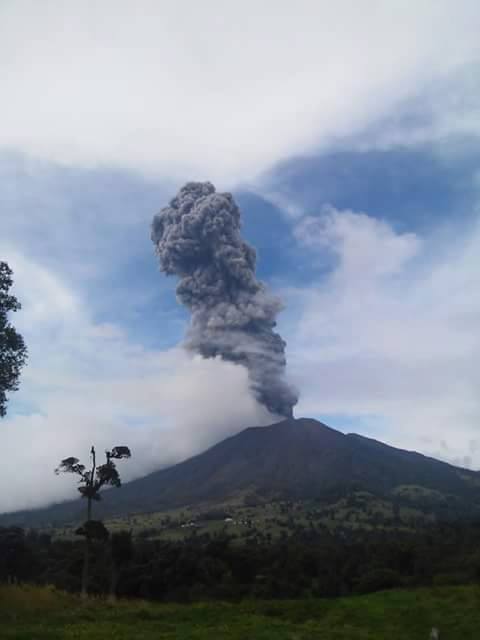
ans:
(48, 614)
(13, 352)
(121, 548)
(92, 480)
(93, 529)
(217, 566)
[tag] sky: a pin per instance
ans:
(349, 134)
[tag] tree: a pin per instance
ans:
(92, 480)
(121, 554)
(13, 352)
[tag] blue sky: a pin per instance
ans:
(355, 160)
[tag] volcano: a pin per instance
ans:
(296, 459)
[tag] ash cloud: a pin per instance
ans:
(197, 238)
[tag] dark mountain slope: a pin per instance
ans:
(295, 458)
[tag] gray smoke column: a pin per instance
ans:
(197, 238)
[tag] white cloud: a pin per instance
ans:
(392, 332)
(447, 109)
(213, 89)
(88, 383)
(363, 244)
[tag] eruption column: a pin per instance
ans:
(197, 238)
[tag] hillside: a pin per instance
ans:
(297, 459)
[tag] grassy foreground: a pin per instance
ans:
(30, 613)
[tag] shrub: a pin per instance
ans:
(378, 580)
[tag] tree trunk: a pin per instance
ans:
(86, 559)
(86, 553)
(112, 596)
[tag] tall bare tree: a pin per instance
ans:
(92, 480)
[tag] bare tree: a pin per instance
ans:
(92, 480)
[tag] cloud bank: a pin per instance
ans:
(89, 383)
(149, 86)
(391, 334)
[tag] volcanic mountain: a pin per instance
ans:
(295, 459)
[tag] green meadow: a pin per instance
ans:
(33, 613)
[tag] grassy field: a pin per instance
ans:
(28, 613)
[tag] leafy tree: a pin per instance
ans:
(121, 555)
(15, 556)
(92, 480)
(13, 352)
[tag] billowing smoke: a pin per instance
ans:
(198, 239)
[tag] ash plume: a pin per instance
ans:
(197, 238)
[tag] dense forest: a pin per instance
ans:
(204, 567)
